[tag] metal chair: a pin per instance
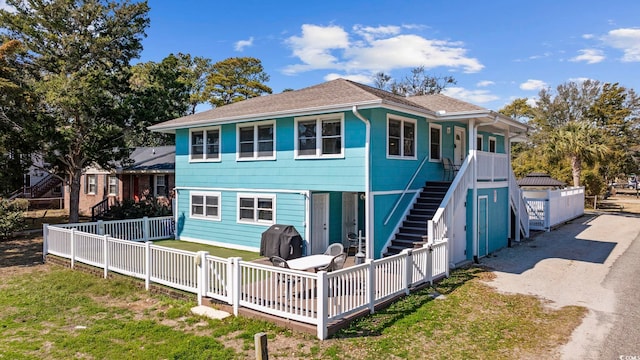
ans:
(278, 261)
(450, 169)
(334, 249)
(336, 263)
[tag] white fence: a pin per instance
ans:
(314, 298)
(145, 229)
(548, 208)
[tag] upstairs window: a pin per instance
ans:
(256, 142)
(205, 144)
(401, 137)
(492, 144)
(479, 143)
(435, 142)
(319, 137)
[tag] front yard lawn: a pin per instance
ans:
(213, 250)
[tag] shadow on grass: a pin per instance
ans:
(374, 324)
(23, 250)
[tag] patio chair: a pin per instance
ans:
(336, 263)
(280, 262)
(450, 169)
(334, 249)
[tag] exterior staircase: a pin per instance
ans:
(38, 190)
(413, 232)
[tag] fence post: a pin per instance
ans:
(106, 255)
(100, 227)
(370, 284)
(202, 274)
(547, 214)
(430, 264)
(408, 269)
(145, 229)
(447, 255)
(45, 243)
(73, 247)
(147, 265)
(235, 275)
(323, 305)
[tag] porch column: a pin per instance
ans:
(474, 200)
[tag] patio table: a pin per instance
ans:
(309, 262)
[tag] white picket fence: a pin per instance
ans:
(548, 208)
(144, 229)
(313, 298)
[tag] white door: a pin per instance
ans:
(460, 145)
(319, 223)
(349, 215)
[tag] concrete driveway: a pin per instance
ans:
(593, 261)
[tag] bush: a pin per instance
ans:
(593, 183)
(11, 217)
(21, 204)
(129, 209)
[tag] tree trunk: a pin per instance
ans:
(576, 169)
(74, 196)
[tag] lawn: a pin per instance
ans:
(213, 250)
(47, 311)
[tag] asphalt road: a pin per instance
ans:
(593, 261)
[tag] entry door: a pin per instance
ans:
(483, 226)
(319, 223)
(460, 145)
(349, 215)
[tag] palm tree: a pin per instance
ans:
(579, 142)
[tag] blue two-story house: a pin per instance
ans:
(342, 157)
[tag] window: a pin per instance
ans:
(112, 185)
(205, 144)
(256, 141)
(205, 205)
(256, 209)
(492, 144)
(435, 142)
(160, 183)
(401, 137)
(479, 142)
(91, 184)
(319, 136)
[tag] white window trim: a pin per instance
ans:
(481, 138)
(255, 141)
(155, 185)
(495, 144)
(318, 120)
(402, 120)
(255, 197)
(439, 127)
(95, 177)
(109, 177)
(204, 132)
(205, 194)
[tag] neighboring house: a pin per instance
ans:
(343, 157)
(151, 172)
(40, 187)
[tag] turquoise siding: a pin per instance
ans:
(498, 213)
(383, 204)
(290, 210)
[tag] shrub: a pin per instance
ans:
(11, 217)
(21, 204)
(129, 209)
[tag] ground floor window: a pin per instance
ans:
(256, 208)
(205, 205)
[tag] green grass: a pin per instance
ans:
(213, 250)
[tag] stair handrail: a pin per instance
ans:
(406, 189)
(518, 200)
(100, 208)
(16, 194)
(43, 183)
(437, 226)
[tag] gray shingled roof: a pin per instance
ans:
(438, 102)
(152, 159)
(540, 179)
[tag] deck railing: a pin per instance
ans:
(144, 229)
(548, 208)
(314, 298)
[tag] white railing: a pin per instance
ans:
(438, 226)
(492, 166)
(548, 208)
(406, 189)
(145, 229)
(314, 298)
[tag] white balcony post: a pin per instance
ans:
(323, 305)
(73, 247)
(371, 285)
(147, 265)
(105, 249)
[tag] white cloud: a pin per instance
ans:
(241, 44)
(485, 83)
(532, 84)
(627, 40)
(532, 101)
(472, 96)
(373, 49)
(590, 56)
(587, 36)
(579, 79)
(4, 6)
(359, 78)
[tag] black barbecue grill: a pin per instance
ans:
(281, 240)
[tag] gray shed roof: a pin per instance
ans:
(161, 159)
(540, 179)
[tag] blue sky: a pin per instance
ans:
(497, 50)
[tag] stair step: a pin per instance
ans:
(409, 237)
(413, 230)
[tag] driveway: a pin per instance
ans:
(593, 261)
